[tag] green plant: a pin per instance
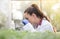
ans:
(12, 34)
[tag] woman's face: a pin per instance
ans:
(30, 18)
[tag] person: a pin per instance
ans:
(37, 21)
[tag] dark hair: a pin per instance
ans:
(35, 9)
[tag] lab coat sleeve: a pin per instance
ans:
(28, 27)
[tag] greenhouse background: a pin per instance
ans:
(11, 12)
(11, 16)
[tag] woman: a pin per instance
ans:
(38, 21)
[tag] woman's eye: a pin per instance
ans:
(27, 18)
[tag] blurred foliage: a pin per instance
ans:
(56, 21)
(3, 19)
(53, 14)
(12, 34)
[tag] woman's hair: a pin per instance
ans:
(35, 9)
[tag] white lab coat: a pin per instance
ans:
(45, 26)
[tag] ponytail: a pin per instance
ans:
(47, 18)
